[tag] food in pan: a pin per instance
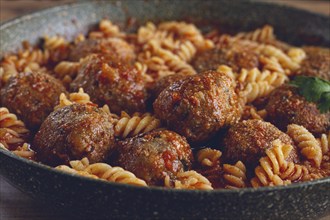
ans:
(170, 106)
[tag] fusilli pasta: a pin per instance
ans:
(25, 152)
(79, 97)
(269, 171)
(235, 175)
(190, 180)
(306, 142)
(282, 57)
(251, 112)
(324, 141)
(128, 126)
(65, 68)
(208, 157)
(272, 64)
(262, 35)
(256, 90)
(228, 71)
(254, 75)
(14, 130)
(54, 42)
(103, 171)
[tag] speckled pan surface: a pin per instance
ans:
(90, 198)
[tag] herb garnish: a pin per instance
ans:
(315, 90)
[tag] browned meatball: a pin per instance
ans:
(121, 87)
(165, 82)
(32, 96)
(248, 140)
(198, 106)
(74, 132)
(112, 46)
(286, 106)
(235, 56)
(153, 155)
(317, 63)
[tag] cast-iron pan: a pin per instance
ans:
(90, 198)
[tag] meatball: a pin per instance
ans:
(108, 82)
(286, 106)
(112, 46)
(198, 106)
(248, 140)
(235, 56)
(32, 97)
(165, 82)
(154, 155)
(317, 63)
(74, 132)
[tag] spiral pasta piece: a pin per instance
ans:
(251, 112)
(256, 90)
(128, 126)
(8, 70)
(186, 51)
(10, 138)
(235, 175)
(76, 172)
(66, 68)
(103, 171)
(255, 75)
(109, 29)
(14, 128)
(262, 35)
(308, 145)
(208, 157)
(149, 31)
(272, 64)
(227, 70)
(54, 42)
(58, 48)
(283, 58)
(294, 172)
(79, 38)
(79, 165)
(168, 47)
(25, 152)
(163, 59)
(142, 68)
(192, 180)
(270, 168)
(324, 142)
(79, 97)
(297, 55)
(38, 56)
(187, 31)
(114, 174)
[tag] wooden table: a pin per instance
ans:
(14, 205)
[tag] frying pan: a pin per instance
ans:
(90, 198)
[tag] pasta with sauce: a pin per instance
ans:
(189, 109)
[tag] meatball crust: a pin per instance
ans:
(154, 155)
(165, 82)
(248, 140)
(112, 83)
(317, 63)
(237, 57)
(32, 97)
(112, 46)
(74, 132)
(198, 106)
(286, 106)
